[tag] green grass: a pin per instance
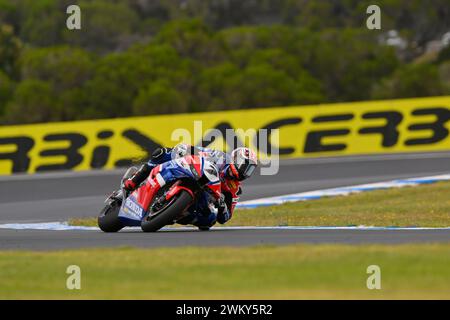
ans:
(425, 206)
(263, 272)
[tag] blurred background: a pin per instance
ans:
(145, 57)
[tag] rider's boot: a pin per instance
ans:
(139, 176)
(160, 155)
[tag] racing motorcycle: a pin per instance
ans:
(160, 201)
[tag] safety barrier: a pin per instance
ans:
(388, 126)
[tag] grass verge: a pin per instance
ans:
(424, 206)
(262, 272)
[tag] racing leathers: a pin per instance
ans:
(207, 210)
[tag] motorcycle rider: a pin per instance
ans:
(233, 169)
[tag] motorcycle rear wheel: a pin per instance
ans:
(108, 219)
(168, 214)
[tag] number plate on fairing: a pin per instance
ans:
(131, 209)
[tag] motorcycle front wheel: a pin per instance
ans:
(167, 214)
(108, 219)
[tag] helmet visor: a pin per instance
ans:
(246, 170)
(244, 162)
(249, 168)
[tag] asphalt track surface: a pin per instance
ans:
(59, 196)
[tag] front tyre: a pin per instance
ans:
(168, 214)
(108, 220)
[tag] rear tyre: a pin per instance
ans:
(168, 214)
(108, 220)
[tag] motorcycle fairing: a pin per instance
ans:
(134, 208)
(131, 212)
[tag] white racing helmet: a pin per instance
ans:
(243, 163)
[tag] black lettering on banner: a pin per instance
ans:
(389, 131)
(73, 157)
(232, 141)
(276, 125)
(314, 138)
(147, 144)
(100, 155)
(440, 132)
(19, 157)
